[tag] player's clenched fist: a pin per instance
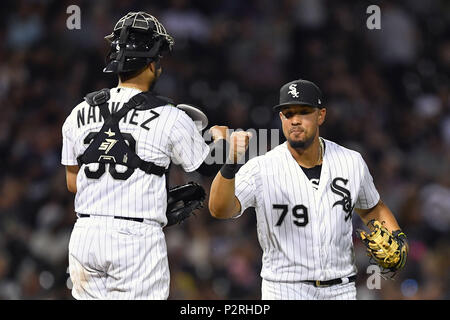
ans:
(219, 132)
(238, 145)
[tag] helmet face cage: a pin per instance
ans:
(145, 39)
(144, 22)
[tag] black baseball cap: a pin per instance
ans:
(299, 92)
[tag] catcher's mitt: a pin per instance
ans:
(389, 250)
(182, 201)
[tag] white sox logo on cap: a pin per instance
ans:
(299, 92)
(293, 90)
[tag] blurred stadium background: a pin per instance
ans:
(387, 93)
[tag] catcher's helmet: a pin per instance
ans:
(138, 39)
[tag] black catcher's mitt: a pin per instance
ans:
(182, 201)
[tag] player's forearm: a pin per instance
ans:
(222, 203)
(71, 178)
(381, 213)
(222, 200)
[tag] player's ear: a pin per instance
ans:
(151, 67)
(322, 114)
(155, 68)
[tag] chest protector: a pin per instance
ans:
(111, 146)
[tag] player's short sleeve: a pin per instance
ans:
(245, 185)
(68, 156)
(188, 146)
(368, 196)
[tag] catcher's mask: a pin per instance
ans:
(137, 40)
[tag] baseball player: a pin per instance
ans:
(304, 192)
(117, 147)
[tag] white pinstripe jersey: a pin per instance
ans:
(306, 234)
(162, 134)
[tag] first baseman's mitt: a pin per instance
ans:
(182, 201)
(389, 250)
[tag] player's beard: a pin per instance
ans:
(301, 144)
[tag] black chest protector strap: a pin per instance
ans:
(109, 145)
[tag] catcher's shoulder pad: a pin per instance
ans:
(98, 97)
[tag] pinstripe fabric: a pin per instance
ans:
(293, 249)
(121, 259)
(118, 259)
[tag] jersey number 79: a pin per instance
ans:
(300, 213)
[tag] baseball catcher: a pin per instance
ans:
(388, 250)
(118, 146)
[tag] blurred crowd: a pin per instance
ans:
(386, 93)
